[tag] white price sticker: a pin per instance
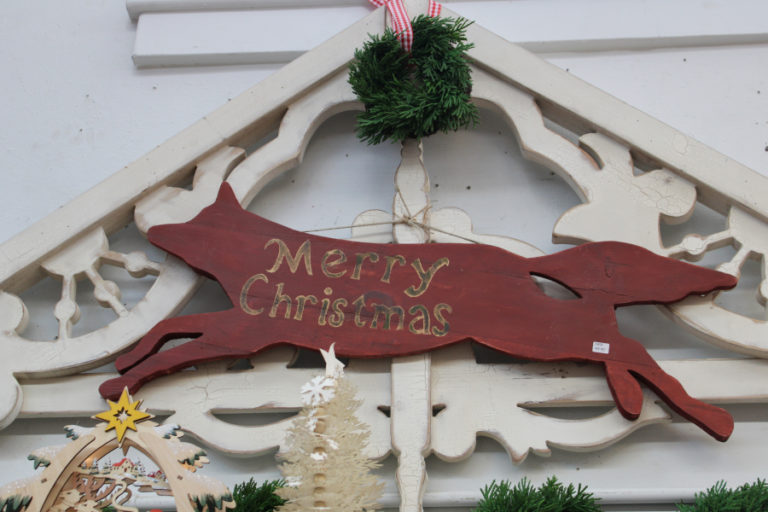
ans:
(601, 348)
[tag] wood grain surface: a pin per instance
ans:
(392, 300)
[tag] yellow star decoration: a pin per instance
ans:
(123, 415)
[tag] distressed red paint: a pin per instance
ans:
(389, 300)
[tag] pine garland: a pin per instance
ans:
(252, 497)
(746, 498)
(552, 496)
(418, 94)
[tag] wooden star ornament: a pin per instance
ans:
(123, 414)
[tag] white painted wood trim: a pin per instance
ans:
(138, 7)
(67, 397)
(254, 34)
(21, 255)
(717, 175)
(236, 37)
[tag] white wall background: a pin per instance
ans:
(75, 109)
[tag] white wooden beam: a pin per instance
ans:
(75, 396)
(138, 7)
(237, 37)
(256, 34)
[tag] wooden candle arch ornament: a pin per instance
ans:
(385, 300)
(70, 479)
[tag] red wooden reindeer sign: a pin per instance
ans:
(385, 300)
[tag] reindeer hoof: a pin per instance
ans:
(625, 389)
(716, 422)
(113, 388)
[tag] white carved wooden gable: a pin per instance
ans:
(631, 173)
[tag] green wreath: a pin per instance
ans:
(414, 95)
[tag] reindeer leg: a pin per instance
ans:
(625, 390)
(202, 349)
(713, 420)
(189, 326)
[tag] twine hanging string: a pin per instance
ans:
(401, 24)
(398, 220)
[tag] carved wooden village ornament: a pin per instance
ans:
(296, 287)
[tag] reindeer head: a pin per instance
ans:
(623, 274)
(203, 241)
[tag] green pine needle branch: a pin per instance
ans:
(418, 94)
(552, 496)
(718, 498)
(252, 497)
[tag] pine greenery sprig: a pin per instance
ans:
(552, 496)
(252, 497)
(418, 94)
(746, 498)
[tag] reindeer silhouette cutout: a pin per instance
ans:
(390, 300)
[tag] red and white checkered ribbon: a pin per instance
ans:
(401, 24)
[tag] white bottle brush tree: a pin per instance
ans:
(325, 466)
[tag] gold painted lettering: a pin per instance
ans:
(279, 298)
(419, 324)
(391, 260)
(300, 302)
(359, 259)
(326, 265)
(283, 253)
(324, 304)
(359, 304)
(438, 312)
(337, 318)
(246, 290)
(425, 277)
(387, 311)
